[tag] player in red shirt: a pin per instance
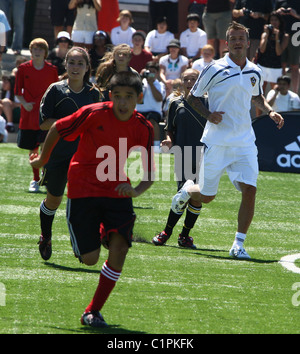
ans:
(32, 80)
(99, 192)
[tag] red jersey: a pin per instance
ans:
(138, 62)
(32, 84)
(97, 167)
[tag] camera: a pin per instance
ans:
(147, 74)
(270, 28)
(247, 12)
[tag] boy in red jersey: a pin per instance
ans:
(32, 80)
(99, 192)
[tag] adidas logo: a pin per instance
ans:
(293, 146)
(290, 160)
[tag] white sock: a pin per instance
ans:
(239, 239)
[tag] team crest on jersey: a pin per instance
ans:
(253, 81)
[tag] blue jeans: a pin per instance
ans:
(15, 9)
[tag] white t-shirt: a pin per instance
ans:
(192, 41)
(200, 64)
(173, 66)
(158, 42)
(3, 130)
(284, 103)
(150, 103)
(230, 90)
(118, 36)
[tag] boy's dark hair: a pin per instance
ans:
(285, 78)
(126, 78)
(193, 17)
(152, 64)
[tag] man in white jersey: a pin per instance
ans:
(231, 83)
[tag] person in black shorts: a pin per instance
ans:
(61, 99)
(99, 208)
(184, 129)
(61, 16)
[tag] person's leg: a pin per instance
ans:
(18, 11)
(111, 271)
(246, 211)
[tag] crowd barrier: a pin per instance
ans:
(278, 149)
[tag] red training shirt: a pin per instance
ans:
(101, 154)
(32, 84)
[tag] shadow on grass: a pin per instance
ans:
(111, 329)
(253, 260)
(71, 269)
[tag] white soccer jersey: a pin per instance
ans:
(192, 41)
(158, 42)
(230, 90)
(118, 36)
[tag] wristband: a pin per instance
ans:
(271, 110)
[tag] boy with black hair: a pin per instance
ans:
(99, 192)
(193, 39)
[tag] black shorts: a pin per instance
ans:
(30, 139)
(152, 116)
(91, 220)
(55, 178)
(60, 14)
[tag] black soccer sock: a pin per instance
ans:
(191, 217)
(46, 218)
(171, 222)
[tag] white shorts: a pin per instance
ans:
(240, 163)
(270, 74)
(83, 37)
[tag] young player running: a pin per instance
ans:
(60, 100)
(99, 192)
(184, 129)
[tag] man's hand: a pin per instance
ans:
(277, 118)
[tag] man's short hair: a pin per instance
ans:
(236, 26)
(128, 79)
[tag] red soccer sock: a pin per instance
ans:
(107, 282)
(36, 174)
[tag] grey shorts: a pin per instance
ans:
(216, 24)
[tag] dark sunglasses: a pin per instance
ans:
(63, 41)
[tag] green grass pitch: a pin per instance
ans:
(162, 290)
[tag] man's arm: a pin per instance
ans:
(199, 107)
(261, 103)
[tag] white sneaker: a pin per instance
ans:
(181, 198)
(34, 187)
(239, 252)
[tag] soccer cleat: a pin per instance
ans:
(239, 252)
(45, 248)
(180, 199)
(34, 187)
(10, 128)
(187, 242)
(160, 239)
(93, 319)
